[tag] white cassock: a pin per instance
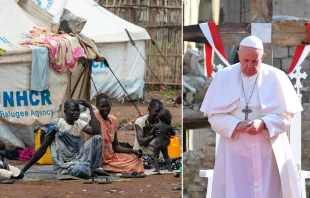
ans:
(261, 165)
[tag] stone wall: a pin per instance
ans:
(282, 58)
(195, 160)
(297, 8)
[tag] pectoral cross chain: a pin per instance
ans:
(246, 111)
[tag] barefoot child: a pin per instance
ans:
(162, 141)
(7, 171)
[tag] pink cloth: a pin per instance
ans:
(25, 154)
(63, 49)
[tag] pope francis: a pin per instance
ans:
(251, 105)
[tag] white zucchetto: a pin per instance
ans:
(252, 41)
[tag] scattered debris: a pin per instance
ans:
(195, 84)
(176, 175)
(177, 188)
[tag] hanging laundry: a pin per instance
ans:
(63, 49)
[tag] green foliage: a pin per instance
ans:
(177, 125)
(168, 92)
(2, 51)
(151, 86)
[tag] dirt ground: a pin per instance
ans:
(151, 186)
(161, 186)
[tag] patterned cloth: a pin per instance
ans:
(148, 162)
(63, 49)
(68, 157)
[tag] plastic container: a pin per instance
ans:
(47, 157)
(174, 149)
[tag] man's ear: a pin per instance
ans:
(263, 56)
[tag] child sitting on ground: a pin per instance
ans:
(7, 171)
(162, 141)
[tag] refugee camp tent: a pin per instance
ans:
(22, 110)
(108, 32)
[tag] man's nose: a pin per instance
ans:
(251, 65)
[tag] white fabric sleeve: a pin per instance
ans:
(140, 122)
(276, 124)
(81, 124)
(224, 124)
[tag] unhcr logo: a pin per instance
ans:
(98, 64)
(25, 98)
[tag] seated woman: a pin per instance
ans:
(145, 141)
(63, 136)
(115, 158)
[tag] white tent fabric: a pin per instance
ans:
(131, 76)
(102, 26)
(13, 22)
(36, 14)
(21, 109)
(108, 32)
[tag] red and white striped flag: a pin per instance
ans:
(215, 43)
(301, 52)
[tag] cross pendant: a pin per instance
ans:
(246, 111)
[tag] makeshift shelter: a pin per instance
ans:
(21, 109)
(108, 32)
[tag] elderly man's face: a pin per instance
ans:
(250, 59)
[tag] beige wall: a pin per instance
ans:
(298, 8)
(199, 11)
